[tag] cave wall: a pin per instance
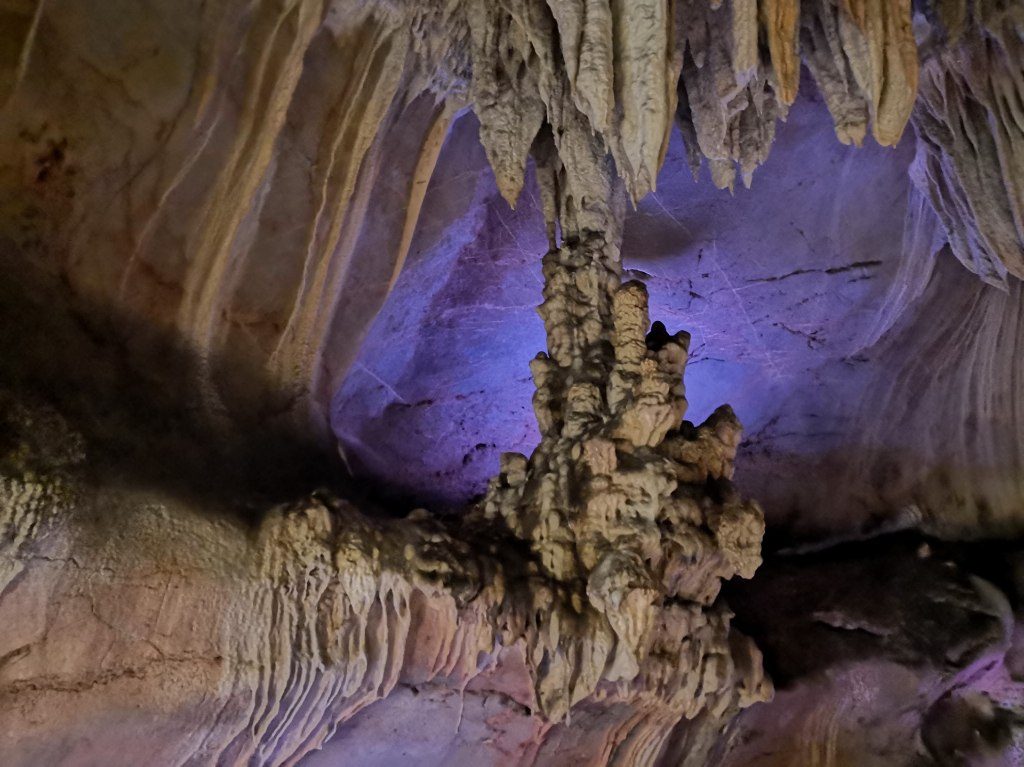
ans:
(204, 208)
(251, 178)
(803, 294)
(206, 168)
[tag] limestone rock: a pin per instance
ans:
(970, 144)
(223, 193)
(586, 583)
(228, 195)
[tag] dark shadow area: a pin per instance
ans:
(901, 597)
(130, 389)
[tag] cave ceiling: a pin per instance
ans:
(318, 215)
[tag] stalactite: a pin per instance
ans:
(261, 169)
(587, 582)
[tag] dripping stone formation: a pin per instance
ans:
(625, 516)
(204, 206)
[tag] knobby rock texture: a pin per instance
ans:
(587, 580)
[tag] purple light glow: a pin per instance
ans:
(773, 283)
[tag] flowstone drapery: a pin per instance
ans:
(247, 175)
(585, 584)
(970, 150)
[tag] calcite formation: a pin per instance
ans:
(623, 497)
(245, 177)
(731, 67)
(588, 577)
(909, 636)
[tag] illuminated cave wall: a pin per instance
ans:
(774, 283)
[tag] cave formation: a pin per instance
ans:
(285, 480)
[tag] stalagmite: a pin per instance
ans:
(618, 497)
(625, 516)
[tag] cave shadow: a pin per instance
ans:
(885, 598)
(129, 388)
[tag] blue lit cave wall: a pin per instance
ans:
(803, 296)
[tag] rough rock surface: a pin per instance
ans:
(970, 143)
(140, 626)
(912, 660)
(803, 296)
(219, 195)
(587, 582)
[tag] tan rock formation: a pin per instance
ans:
(588, 579)
(210, 169)
(589, 575)
(618, 497)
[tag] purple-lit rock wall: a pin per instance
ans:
(771, 282)
(442, 383)
(811, 298)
